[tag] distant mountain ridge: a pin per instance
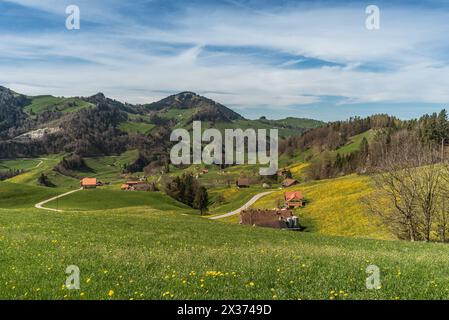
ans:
(98, 125)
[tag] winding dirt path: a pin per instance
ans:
(245, 206)
(40, 204)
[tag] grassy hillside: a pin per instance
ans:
(355, 141)
(233, 198)
(136, 127)
(41, 104)
(334, 207)
(15, 196)
(19, 164)
(108, 169)
(104, 199)
(149, 254)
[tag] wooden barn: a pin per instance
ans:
(289, 182)
(243, 183)
(279, 219)
(293, 199)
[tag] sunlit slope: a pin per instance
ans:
(334, 207)
(105, 199)
(13, 195)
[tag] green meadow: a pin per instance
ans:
(144, 253)
(145, 245)
(19, 164)
(104, 199)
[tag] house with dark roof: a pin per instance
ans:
(289, 182)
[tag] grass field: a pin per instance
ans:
(40, 104)
(233, 198)
(19, 164)
(136, 127)
(334, 207)
(143, 245)
(107, 169)
(355, 141)
(15, 196)
(98, 199)
(149, 254)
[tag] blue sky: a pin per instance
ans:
(273, 58)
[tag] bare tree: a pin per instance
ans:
(409, 181)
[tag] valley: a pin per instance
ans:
(156, 245)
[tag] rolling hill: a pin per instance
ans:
(97, 126)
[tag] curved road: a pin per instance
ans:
(245, 206)
(253, 200)
(40, 204)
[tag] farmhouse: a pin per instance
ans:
(293, 199)
(88, 183)
(279, 219)
(243, 183)
(289, 182)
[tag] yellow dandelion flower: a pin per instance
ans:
(111, 293)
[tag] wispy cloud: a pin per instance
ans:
(263, 61)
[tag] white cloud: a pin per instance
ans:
(125, 62)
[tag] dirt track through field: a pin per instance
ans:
(40, 204)
(245, 206)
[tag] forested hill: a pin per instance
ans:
(363, 144)
(96, 125)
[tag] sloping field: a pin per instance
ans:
(334, 207)
(106, 199)
(15, 196)
(149, 254)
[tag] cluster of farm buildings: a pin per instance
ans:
(281, 218)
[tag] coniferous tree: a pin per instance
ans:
(201, 199)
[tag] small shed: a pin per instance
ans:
(289, 182)
(243, 183)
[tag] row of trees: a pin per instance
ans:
(7, 174)
(187, 190)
